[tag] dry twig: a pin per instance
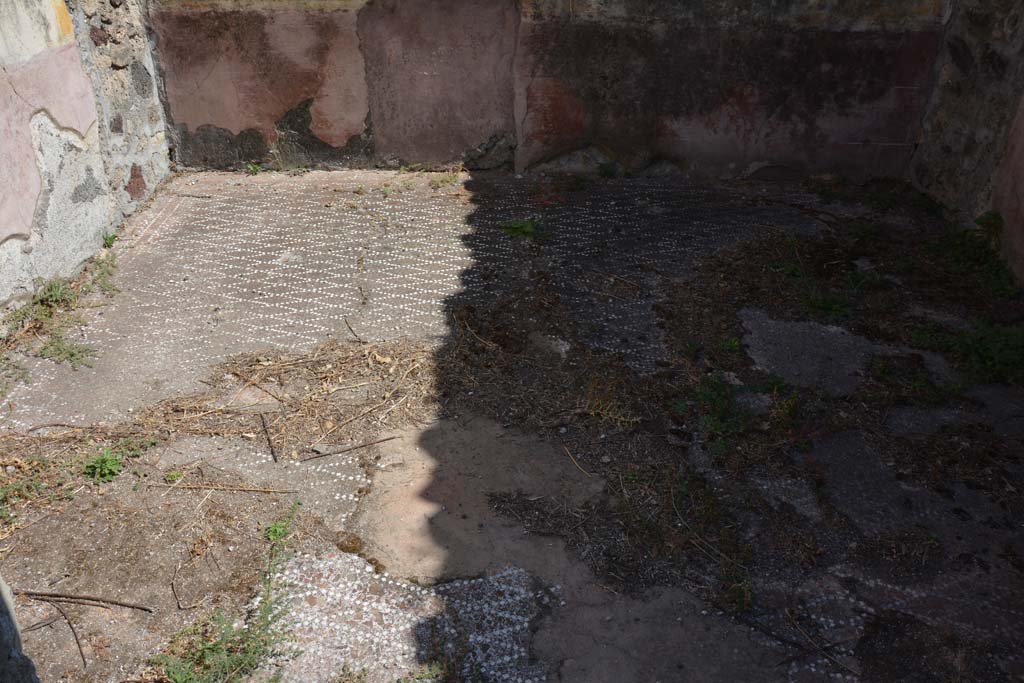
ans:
(80, 599)
(222, 487)
(85, 664)
(350, 449)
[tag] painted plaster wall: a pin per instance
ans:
(970, 153)
(54, 200)
(727, 85)
(63, 172)
(716, 85)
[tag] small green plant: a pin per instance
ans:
(276, 531)
(104, 467)
(720, 415)
(101, 273)
(523, 227)
(988, 353)
(253, 168)
(109, 239)
(732, 345)
(56, 293)
(48, 308)
(57, 348)
(133, 448)
(281, 528)
(691, 349)
(18, 490)
(827, 305)
(445, 179)
(734, 591)
(968, 256)
(173, 476)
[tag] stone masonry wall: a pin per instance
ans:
(1008, 194)
(68, 178)
(970, 154)
(717, 86)
(113, 40)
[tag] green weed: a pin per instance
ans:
(719, 413)
(108, 240)
(967, 255)
(881, 195)
(101, 273)
(528, 228)
(252, 168)
(104, 467)
(826, 304)
(986, 352)
(21, 489)
(732, 345)
(445, 179)
(347, 675)
(219, 651)
(281, 528)
(56, 293)
(57, 348)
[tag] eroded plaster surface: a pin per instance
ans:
(83, 129)
(714, 86)
(40, 71)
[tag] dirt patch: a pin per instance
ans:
(454, 500)
(175, 510)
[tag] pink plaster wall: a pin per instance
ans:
(717, 86)
(723, 97)
(1008, 195)
(440, 76)
(240, 70)
(52, 81)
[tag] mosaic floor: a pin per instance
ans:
(221, 264)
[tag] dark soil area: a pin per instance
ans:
(812, 512)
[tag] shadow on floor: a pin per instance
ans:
(580, 475)
(555, 327)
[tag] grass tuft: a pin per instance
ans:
(58, 348)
